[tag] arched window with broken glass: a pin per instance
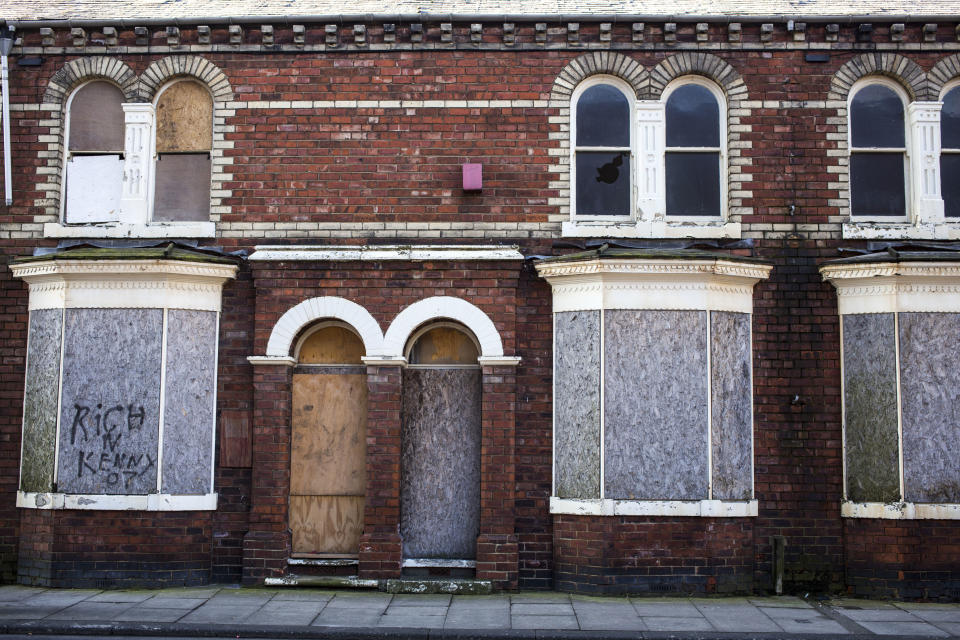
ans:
(602, 149)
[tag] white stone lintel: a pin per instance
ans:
(270, 253)
(692, 508)
(96, 502)
(900, 510)
(124, 284)
(499, 361)
(890, 287)
(131, 230)
(286, 361)
(653, 283)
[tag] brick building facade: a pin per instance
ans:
(518, 365)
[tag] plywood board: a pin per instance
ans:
(184, 118)
(326, 524)
(94, 187)
(96, 118)
(332, 345)
(182, 191)
(444, 345)
(328, 452)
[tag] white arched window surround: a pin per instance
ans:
(628, 93)
(720, 97)
(901, 93)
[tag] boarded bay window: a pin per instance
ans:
(440, 445)
(184, 114)
(878, 150)
(950, 151)
(120, 392)
(899, 321)
(94, 161)
(653, 402)
(694, 159)
(602, 149)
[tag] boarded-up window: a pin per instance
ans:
(94, 170)
(443, 346)
(184, 139)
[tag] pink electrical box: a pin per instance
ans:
(472, 177)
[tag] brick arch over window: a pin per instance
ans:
(701, 64)
(897, 67)
(599, 62)
(78, 71)
(161, 71)
(943, 72)
(442, 308)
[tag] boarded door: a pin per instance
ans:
(440, 471)
(328, 450)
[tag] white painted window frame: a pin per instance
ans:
(947, 88)
(135, 219)
(722, 149)
(924, 217)
(575, 147)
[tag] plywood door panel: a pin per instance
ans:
(440, 463)
(329, 446)
(326, 524)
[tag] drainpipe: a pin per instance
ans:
(6, 44)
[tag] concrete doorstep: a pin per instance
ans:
(222, 611)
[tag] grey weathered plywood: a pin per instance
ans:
(440, 463)
(110, 409)
(870, 408)
(731, 395)
(40, 400)
(96, 118)
(577, 404)
(655, 405)
(930, 397)
(189, 402)
(182, 188)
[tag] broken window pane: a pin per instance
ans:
(96, 118)
(693, 117)
(603, 183)
(693, 183)
(603, 118)
(877, 184)
(876, 118)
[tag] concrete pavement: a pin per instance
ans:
(316, 613)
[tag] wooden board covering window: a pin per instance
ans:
(184, 118)
(96, 119)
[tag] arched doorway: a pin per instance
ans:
(328, 444)
(440, 446)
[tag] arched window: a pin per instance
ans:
(94, 158)
(602, 149)
(878, 150)
(184, 139)
(950, 150)
(694, 159)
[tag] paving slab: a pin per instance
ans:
(147, 614)
(60, 598)
(347, 617)
(192, 592)
(373, 601)
(539, 597)
(87, 610)
(676, 608)
(545, 609)
(887, 615)
(16, 592)
(410, 610)
(481, 602)
(666, 623)
(953, 628)
(158, 602)
(898, 628)
(219, 614)
(859, 603)
(122, 596)
(19, 611)
(303, 593)
(477, 618)
(286, 612)
(737, 618)
(411, 621)
(420, 600)
(610, 615)
(543, 622)
(937, 615)
(803, 620)
(789, 602)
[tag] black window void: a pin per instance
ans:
(950, 153)
(877, 153)
(602, 162)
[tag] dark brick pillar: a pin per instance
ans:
(497, 548)
(381, 551)
(266, 545)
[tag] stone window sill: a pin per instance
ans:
(651, 229)
(131, 230)
(901, 231)
(97, 502)
(696, 508)
(900, 510)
